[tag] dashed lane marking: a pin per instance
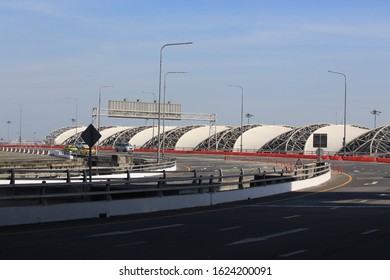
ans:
(230, 228)
(291, 217)
(293, 253)
(369, 231)
(266, 237)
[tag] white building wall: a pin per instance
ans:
(255, 138)
(67, 134)
(194, 137)
(335, 137)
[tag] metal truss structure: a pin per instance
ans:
(76, 138)
(123, 136)
(292, 141)
(170, 138)
(224, 140)
(55, 133)
(375, 142)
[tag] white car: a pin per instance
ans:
(81, 145)
(124, 147)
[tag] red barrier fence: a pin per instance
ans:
(255, 154)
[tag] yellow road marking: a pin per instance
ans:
(341, 185)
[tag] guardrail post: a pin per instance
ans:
(164, 177)
(108, 189)
(240, 179)
(195, 179)
(200, 182)
(128, 177)
(67, 176)
(85, 179)
(43, 199)
(12, 179)
(211, 183)
(220, 179)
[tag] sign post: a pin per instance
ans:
(91, 135)
(320, 140)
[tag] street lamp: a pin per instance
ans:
(159, 94)
(154, 101)
(375, 113)
(75, 119)
(165, 86)
(8, 123)
(345, 109)
(20, 123)
(242, 112)
(249, 116)
(98, 113)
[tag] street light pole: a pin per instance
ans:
(20, 124)
(154, 101)
(249, 116)
(77, 105)
(98, 114)
(345, 109)
(375, 113)
(8, 123)
(159, 95)
(163, 118)
(242, 112)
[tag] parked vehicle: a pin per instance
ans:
(124, 147)
(81, 145)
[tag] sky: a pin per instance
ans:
(56, 55)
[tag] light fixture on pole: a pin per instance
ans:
(242, 112)
(154, 101)
(345, 110)
(159, 95)
(20, 123)
(375, 113)
(249, 116)
(76, 119)
(163, 120)
(8, 123)
(98, 114)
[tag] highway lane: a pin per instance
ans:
(346, 218)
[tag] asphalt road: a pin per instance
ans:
(346, 218)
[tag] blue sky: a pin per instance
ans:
(279, 51)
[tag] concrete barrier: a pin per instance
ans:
(73, 211)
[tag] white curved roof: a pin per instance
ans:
(106, 133)
(67, 134)
(145, 135)
(194, 137)
(335, 137)
(255, 138)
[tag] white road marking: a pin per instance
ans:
(263, 238)
(293, 253)
(369, 231)
(363, 201)
(134, 230)
(230, 228)
(334, 208)
(371, 184)
(291, 217)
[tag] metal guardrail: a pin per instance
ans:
(76, 174)
(161, 183)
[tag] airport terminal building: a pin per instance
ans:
(248, 138)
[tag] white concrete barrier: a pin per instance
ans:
(73, 211)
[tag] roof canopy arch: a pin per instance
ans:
(374, 142)
(292, 141)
